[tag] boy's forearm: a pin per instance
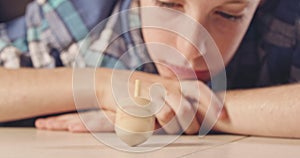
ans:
(32, 92)
(273, 111)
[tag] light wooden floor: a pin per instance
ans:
(31, 143)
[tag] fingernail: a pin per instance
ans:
(74, 128)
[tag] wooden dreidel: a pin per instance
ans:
(134, 122)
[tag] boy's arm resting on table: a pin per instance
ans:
(28, 93)
(273, 111)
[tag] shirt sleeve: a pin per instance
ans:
(9, 55)
(295, 67)
(49, 33)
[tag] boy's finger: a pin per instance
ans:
(167, 120)
(185, 113)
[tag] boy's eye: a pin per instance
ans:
(229, 16)
(172, 5)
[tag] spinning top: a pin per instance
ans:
(134, 122)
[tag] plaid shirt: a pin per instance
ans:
(50, 31)
(270, 52)
(49, 35)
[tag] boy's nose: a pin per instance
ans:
(193, 45)
(187, 49)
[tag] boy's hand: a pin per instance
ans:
(90, 121)
(181, 105)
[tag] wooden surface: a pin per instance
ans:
(31, 143)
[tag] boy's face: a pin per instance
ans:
(225, 20)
